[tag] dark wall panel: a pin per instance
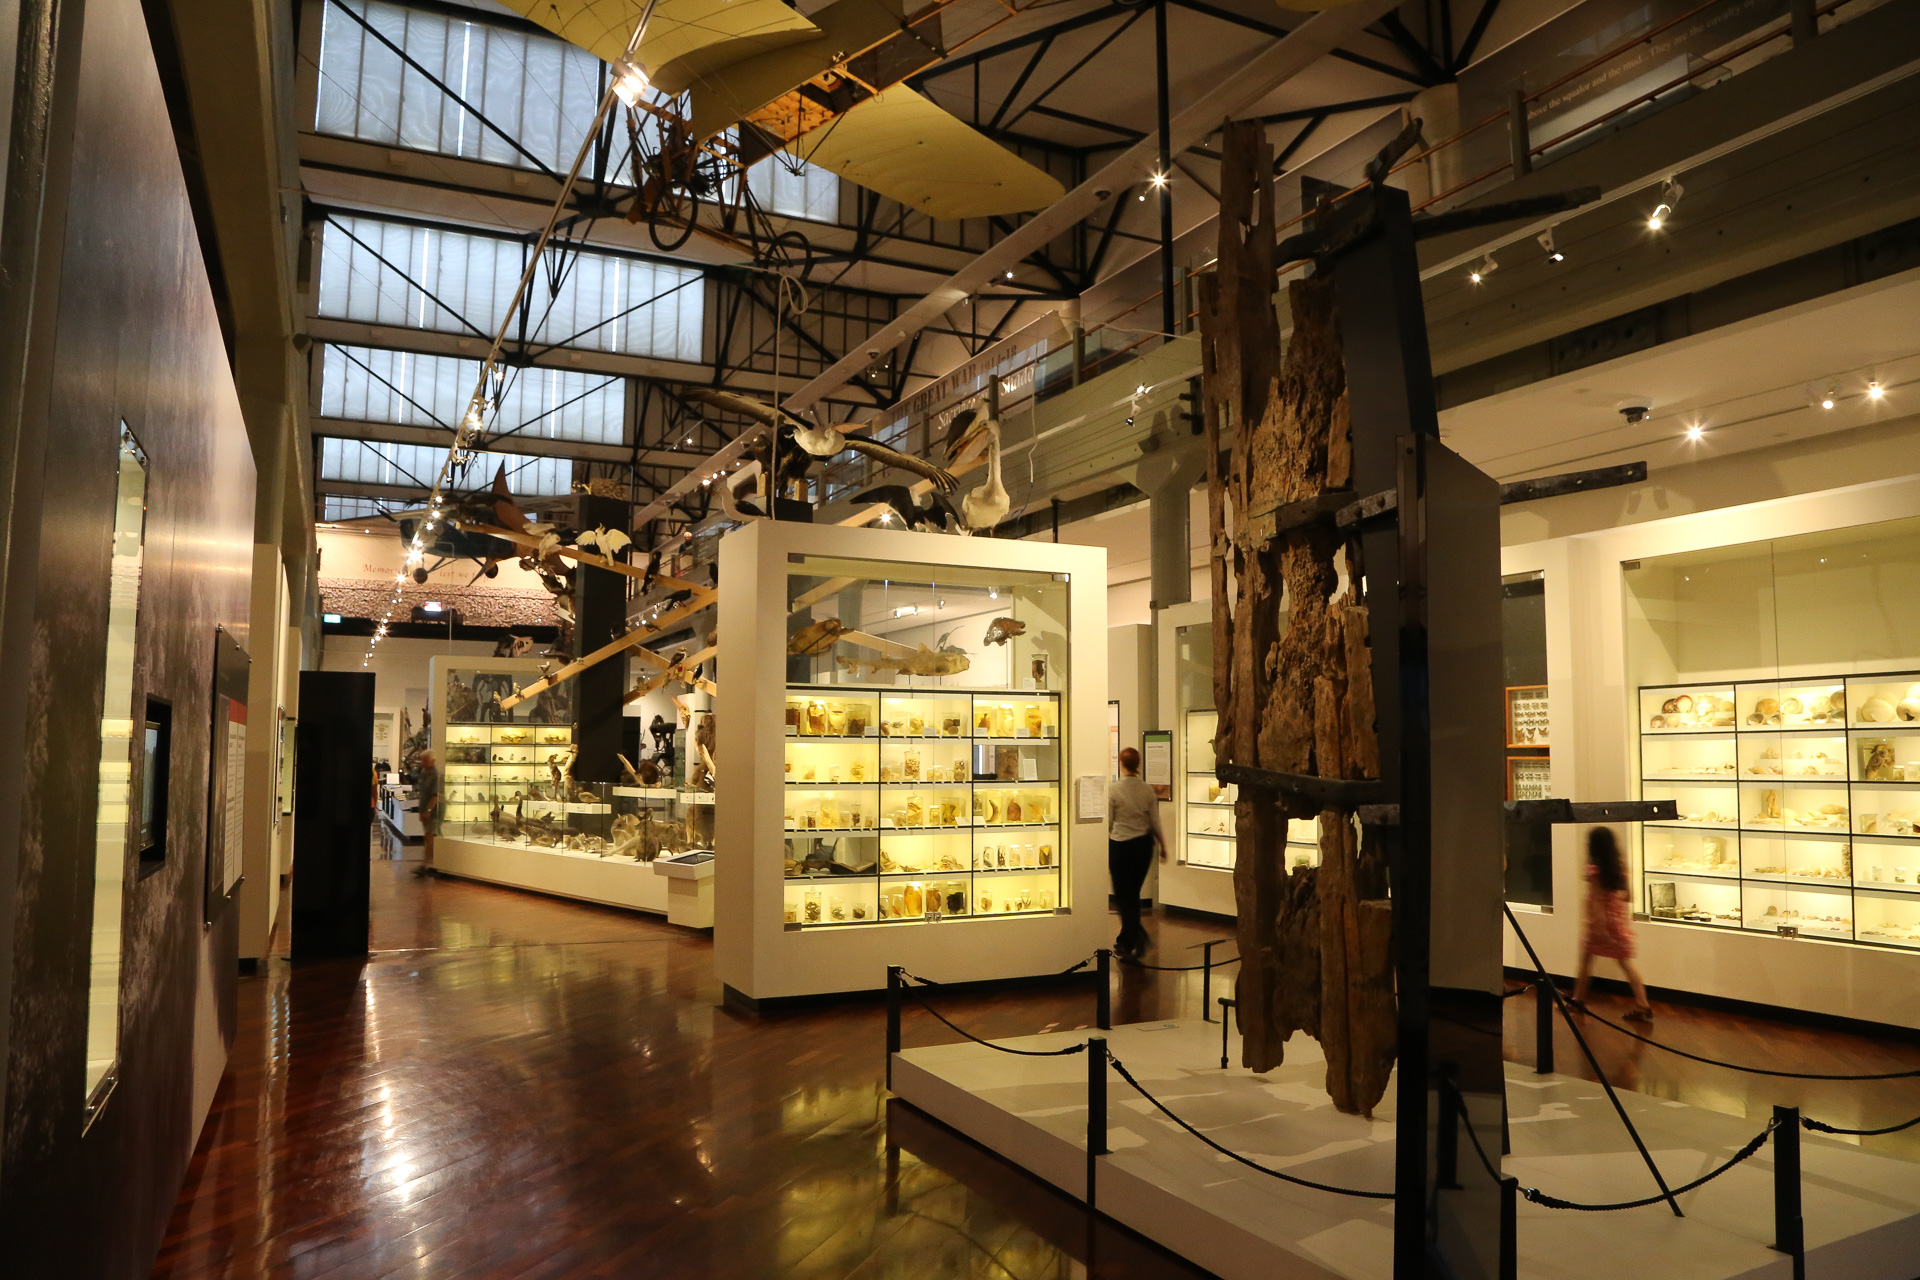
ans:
(134, 337)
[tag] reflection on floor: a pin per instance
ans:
(520, 1087)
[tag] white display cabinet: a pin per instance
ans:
(511, 820)
(1802, 792)
(901, 790)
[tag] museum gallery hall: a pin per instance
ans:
(1018, 639)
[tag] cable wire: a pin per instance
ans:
(1025, 1053)
(1555, 1202)
(1819, 1126)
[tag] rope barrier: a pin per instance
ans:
(1075, 967)
(1172, 968)
(1025, 1053)
(1235, 1155)
(1819, 1126)
(1754, 1144)
(1734, 1066)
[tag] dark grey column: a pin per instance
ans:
(600, 614)
(1436, 671)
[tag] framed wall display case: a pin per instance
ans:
(899, 792)
(1789, 742)
(515, 816)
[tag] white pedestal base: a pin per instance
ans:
(1862, 1210)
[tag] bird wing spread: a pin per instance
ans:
(734, 402)
(942, 480)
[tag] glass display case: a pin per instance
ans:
(1799, 802)
(923, 757)
(1776, 700)
(659, 822)
(493, 772)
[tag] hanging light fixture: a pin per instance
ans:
(1669, 197)
(1486, 268)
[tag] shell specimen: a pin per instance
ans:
(1876, 711)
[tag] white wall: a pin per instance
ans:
(1589, 688)
(399, 666)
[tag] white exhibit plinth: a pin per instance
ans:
(1862, 1210)
(689, 892)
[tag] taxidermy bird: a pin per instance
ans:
(735, 509)
(801, 443)
(987, 506)
(938, 516)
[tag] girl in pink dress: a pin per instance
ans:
(1607, 931)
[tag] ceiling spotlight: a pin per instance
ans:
(1486, 268)
(1875, 391)
(1009, 275)
(1695, 432)
(1546, 242)
(1669, 197)
(1159, 180)
(1828, 397)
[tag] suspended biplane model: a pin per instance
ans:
(718, 85)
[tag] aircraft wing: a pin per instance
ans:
(904, 147)
(686, 40)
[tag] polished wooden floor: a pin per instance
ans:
(514, 1086)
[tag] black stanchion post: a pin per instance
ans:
(1509, 1229)
(1789, 1229)
(893, 1017)
(1543, 1025)
(1206, 980)
(1446, 1145)
(1225, 1004)
(1096, 1109)
(1103, 1004)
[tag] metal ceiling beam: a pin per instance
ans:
(1268, 28)
(979, 56)
(1311, 41)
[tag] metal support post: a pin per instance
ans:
(894, 980)
(1509, 1229)
(1789, 1228)
(1446, 1143)
(1543, 1025)
(1225, 1023)
(1096, 1108)
(1206, 980)
(1166, 173)
(1802, 21)
(1103, 1001)
(1519, 140)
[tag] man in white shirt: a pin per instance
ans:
(1133, 832)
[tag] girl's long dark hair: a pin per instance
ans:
(1603, 851)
